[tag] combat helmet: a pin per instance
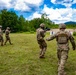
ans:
(62, 26)
(42, 25)
(8, 28)
(0, 26)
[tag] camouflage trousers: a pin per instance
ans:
(62, 58)
(1, 40)
(7, 39)
(43, 47)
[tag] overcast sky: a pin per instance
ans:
(58, 11)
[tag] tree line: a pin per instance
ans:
(20, 24)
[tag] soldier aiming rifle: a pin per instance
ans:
(40, 39)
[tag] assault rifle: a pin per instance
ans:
(47, 29)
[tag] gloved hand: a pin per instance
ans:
(73, 48)
(46, 39)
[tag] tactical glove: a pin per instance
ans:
(47, 39)
(73, 48)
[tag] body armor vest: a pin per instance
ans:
(62, 37)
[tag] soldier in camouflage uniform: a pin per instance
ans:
(40, 40)
(7, 32)
(1, 36)
(62, 38)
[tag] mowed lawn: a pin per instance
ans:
(22, 58)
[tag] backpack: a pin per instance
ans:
(7, 32)
(62, 37)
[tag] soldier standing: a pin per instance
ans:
(62, 38)
(40, 40)
(1, 36)
(7, 32)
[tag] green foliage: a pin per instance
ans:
(9, 19)
(74, 33)
(73, 26)
(20, 24)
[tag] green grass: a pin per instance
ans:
(22, 58)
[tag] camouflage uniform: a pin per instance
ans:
(1, 36)
(7, 32)
(62, 38)
(41, 41)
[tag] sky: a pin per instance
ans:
(58, 11)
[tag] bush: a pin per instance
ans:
(74, 33)
(31, 31)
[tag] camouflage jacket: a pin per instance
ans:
(40, 34)
(1, 33)
(63, 43)
(7, 32)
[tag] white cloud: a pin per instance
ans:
(5, 4)
(23, 5)
(53, 1)
(74, 1)
(74, 15)
(66, 3)
(19, 4)
(35, 15)
(36, 2)
(58, 15)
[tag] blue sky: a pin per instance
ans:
(58, 11)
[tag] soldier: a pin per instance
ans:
(1, 36)
(7, 32)
(40, 40)
(62, 38)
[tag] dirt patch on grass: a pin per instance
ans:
(53, 31)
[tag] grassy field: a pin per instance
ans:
(22, 58)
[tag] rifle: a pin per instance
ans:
(46, 29)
